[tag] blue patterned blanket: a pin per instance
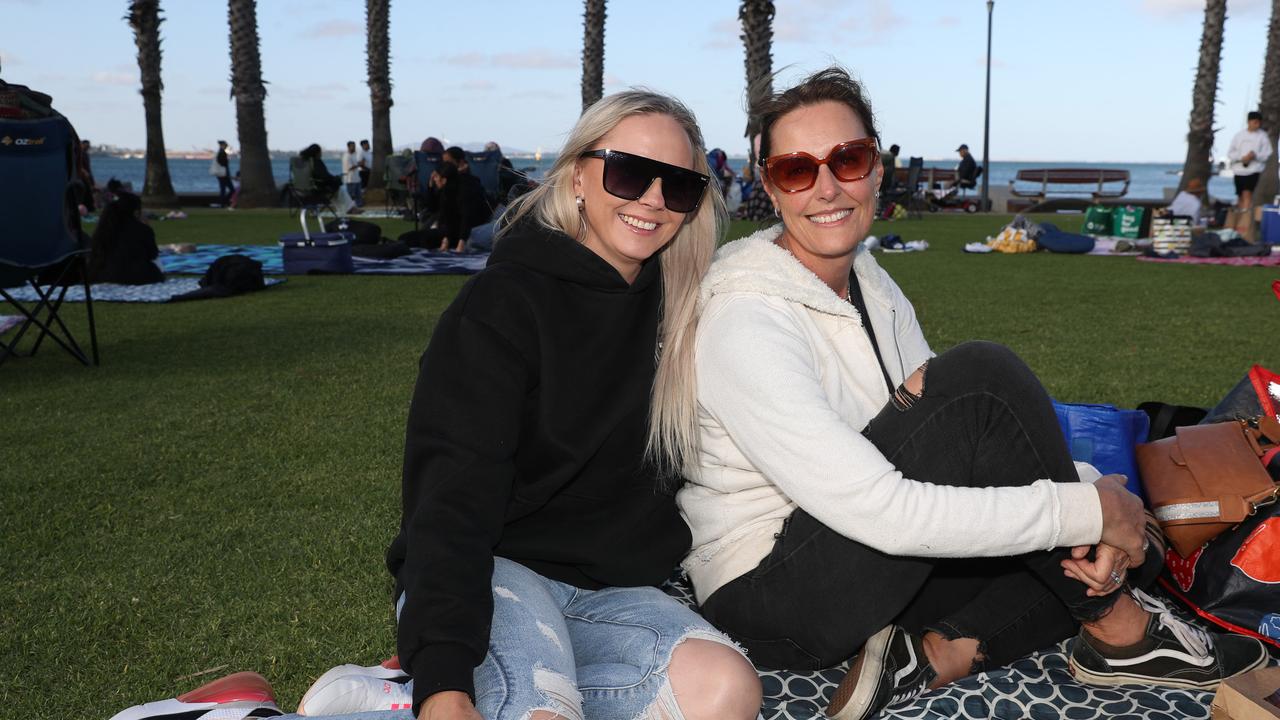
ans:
(417, 262)
(1039, 687)
(109, 292)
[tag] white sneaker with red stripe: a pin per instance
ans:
(356, 688)
(239, 696)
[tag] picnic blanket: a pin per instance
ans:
(417, 262)
(1268, 260)
(1039, 687)
(110, 292)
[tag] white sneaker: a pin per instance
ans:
(357, 693)
(389, 670)
(234, 697)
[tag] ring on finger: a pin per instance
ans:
(1117, 578)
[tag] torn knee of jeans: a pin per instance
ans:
(664, 705)
(560, 693)
(902, 398)
(949, 632)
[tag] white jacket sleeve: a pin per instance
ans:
(1233, 150)
(757, 377)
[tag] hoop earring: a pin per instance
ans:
(775, 212)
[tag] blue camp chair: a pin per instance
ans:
(425, 164)
(394, 170)
(306, 192)
(484, 165)
(39, 245)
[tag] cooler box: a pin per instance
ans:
(1271, 224)
(316, 252)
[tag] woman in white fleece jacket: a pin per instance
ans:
(851, 489)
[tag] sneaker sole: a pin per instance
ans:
(852, 699)
(1092, 677)
(174, 708)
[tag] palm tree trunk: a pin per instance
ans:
(257, 185)
(378, 48)
(593, 53)
(1268, 186)
(757, 39)
(1203, 95)
(144, 17)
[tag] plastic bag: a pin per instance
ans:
(1104, 436)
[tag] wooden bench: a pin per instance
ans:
(928, 175)
(1100, 182)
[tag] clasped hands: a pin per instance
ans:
(1123, 543)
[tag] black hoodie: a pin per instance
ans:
(525, 440)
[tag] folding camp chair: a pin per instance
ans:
(484, 166)
(394, 171)
(915, 195)
(304, 189)
(425, 164)
(40, 245)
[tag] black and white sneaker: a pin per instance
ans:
(892, 668)
(1173, 653)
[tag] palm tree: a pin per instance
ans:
(757, 38)
(378, 49)
(257, 185)
(1203, 95)
(593, 53)
(144, 18)
(1270, 105)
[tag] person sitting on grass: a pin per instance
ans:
(124, 246)
(850, 493)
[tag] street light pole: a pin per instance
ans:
(986, 121)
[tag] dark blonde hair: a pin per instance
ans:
(834, 84)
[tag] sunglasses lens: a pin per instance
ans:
(852, 162)
(626, 176)
(792, 174)
(682, 190)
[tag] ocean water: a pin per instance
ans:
(1147, 180)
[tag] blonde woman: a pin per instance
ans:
(533, 528)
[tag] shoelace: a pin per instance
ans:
(1192, 638)
(910, 692)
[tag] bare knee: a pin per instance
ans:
(713, 681)
(546, 715)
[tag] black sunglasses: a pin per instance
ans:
(629, 176)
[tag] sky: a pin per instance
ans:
(1077, 80)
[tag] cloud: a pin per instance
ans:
(1179, 8)
(533, 59)
(476, 86)
(611, 80)
(334, 28)
(10, 59)
(948, 21)
(996, 63)
(537, 95)
(223, 90)
(104, 77)
(724, 34)
(323, 92)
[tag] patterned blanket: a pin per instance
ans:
(109, 292)
(417, 262)
(1038, 687)
(1266, 260)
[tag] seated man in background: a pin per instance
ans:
(967, 170)
(1189, 202)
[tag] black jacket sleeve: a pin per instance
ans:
(460, 446)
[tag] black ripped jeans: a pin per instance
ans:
(982, 419)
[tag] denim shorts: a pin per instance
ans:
(595, 654)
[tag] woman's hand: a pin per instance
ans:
(448, 705)
(1100, 573)
(1123, 518)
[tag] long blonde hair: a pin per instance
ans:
(672, 443)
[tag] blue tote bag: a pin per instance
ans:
(1104, 436)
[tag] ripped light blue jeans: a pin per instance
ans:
(594, 654)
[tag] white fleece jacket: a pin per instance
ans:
(787, 378)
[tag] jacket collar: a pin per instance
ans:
(755, 264)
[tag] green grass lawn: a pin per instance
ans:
(218, 494)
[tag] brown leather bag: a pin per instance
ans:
(1208, 478)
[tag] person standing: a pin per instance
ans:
(366, 163)
(889, 167)
(1249, 151)
(222, 170)
(351, 173)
